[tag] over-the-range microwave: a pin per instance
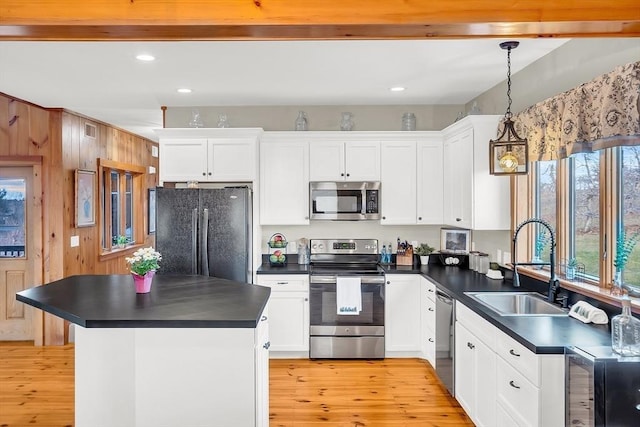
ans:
(346, 201)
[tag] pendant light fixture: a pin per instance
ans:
(508, 155)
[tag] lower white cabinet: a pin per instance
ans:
(289, 314)
(428, 315)
(402, 316)
(499, 382)
(262, 370)
(475, 377)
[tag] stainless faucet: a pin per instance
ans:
(553, 280)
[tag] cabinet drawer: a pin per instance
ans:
(521, 358)
(517, 396)
(430, 314)
(479, 327)
(285, 283)
(430, 289)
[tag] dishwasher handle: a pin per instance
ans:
(444, 297)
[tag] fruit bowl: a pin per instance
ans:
(277, 250)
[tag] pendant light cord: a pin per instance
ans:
(508, 113)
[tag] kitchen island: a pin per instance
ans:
(193, 351)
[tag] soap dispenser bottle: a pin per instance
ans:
(625, 331)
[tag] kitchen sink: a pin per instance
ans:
(517, 303)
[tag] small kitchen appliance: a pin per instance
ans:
(357, 331)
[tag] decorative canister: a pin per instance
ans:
(347, 121)
(408, 121)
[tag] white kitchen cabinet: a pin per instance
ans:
(398, 173)
(430, 191)
(208, 155)
(530, 387)
(284, 179)
(428, 315)
(289, 314)
(475, 373)
(337, 160)
(473, 198)
(262, 370)
(501, 382)
(402, 316)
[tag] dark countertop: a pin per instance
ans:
(289, 268)
(110, 301)
(540, 334)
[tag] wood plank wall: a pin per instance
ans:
(57, 136)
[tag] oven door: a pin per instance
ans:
(324, 317)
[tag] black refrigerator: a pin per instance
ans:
(205, 231)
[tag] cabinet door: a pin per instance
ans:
(485, 385)
(429, 209)
(459, 179)
(262, 372)
(289, 321)
(284, 183)
(231, 160)
(183, 160)
(398, 191)
(362, 161)
(327, 161)
(402, 314)
(428, 324)
(465, 366)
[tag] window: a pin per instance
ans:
(546, 181)
(584, 211)
(12, 216)
(122, 190)
(628, 218)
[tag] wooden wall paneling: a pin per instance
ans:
(4, 126)
(38, 249)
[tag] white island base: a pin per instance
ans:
(167, 377)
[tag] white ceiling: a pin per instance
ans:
(104, 80)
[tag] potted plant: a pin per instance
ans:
(143, 265)
(572, 265)
(424, 250)
(120, 241)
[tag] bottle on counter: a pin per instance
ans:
(625, 331)
(383, 255)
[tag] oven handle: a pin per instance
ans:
(331, 280)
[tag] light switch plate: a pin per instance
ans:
(154, 151)
(75, 241)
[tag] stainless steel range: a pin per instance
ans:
(346, 300)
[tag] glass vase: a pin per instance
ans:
(196, 120)
(347, 121)
(616, 288)
(408, 121)
(301, 121)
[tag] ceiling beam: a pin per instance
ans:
(314, 19)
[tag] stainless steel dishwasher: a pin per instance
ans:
(445, 318)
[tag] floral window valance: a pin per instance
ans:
(602, 113)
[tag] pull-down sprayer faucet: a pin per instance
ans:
(553, 280)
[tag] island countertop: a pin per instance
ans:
(110, 301)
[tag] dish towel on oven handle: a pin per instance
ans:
(348, 296)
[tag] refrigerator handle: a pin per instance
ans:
(194, 241)
(204, 244)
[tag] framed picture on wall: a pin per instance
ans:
(85, 198)
(455, 240)
(152, 211)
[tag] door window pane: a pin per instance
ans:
(629, 209)
(129, 207)
(115, 206)
(545, 206)
(12, 217)
(584, 191)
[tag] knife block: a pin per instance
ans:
(405, 256)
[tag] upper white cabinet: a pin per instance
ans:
(337, 160)
(429, 198)
(398, 192)
(208, 155)
(472, 197)
(284, 179)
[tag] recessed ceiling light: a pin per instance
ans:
(397, 89)
(145, 57)
(184, 90)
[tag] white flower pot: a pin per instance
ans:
(424, 259)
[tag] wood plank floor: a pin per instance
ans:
(36, 389)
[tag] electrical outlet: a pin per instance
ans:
(499, 256)
(75, 241)
(506, 258)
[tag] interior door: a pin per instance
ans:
(17, 252)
